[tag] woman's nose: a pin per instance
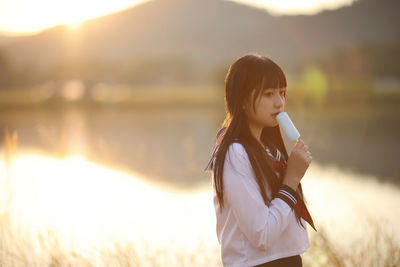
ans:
(279, 101)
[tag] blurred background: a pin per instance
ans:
(109, 110)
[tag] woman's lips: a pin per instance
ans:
(275, 114)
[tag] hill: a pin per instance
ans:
(201, 35)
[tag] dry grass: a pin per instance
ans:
(380, 249)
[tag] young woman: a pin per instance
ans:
(257, 192)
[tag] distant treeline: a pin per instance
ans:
(367, 73)
(371, 59)
(142, 72)
(337, 75)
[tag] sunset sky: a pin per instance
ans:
(26, 16)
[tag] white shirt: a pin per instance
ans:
(249, 231)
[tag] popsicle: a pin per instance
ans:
(287, 126)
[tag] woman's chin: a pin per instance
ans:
(272, 124)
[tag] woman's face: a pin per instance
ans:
(268, 104)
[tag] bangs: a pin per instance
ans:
(273, 78)
(269, 75)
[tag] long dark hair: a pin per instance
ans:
(251, 72)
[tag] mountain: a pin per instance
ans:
(366, 21)
(205, 34)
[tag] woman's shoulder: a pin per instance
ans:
(236, 151)
(236, 146)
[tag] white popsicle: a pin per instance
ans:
(287, 126)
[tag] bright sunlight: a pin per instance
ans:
(85, 204)
(40, 14)
(293, 7)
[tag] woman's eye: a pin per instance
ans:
(271, 93)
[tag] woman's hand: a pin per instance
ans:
(298, 162)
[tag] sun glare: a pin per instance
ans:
(74, 25)
(292, 7)
(41, 14)
(86, 204)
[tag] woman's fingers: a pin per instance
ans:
(303, 149)
(299, 143)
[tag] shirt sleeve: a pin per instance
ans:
(261, 224)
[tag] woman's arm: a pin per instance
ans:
(261, 224)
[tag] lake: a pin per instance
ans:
(135, 176)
